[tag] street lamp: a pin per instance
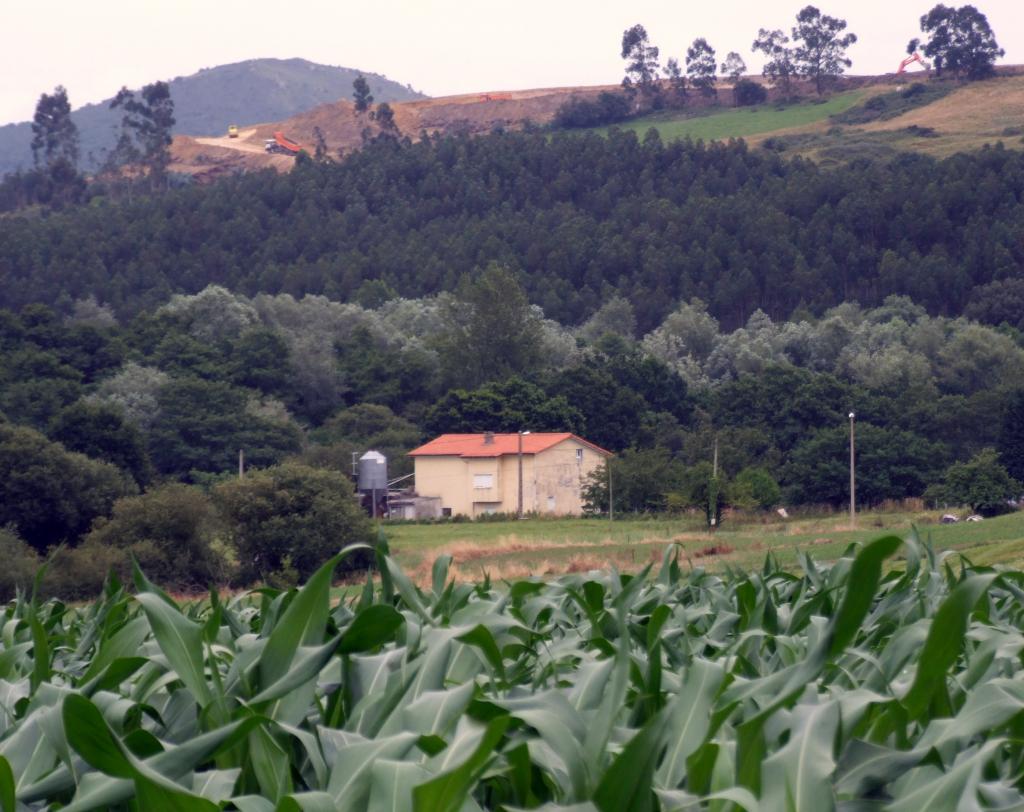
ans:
(521, 435)
(853, 481)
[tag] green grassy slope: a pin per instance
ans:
(741, 122)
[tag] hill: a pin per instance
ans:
(207, 102)
(966, 116)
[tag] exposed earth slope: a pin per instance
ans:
(965, 117)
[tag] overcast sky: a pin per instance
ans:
(441, 47)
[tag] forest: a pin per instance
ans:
(660, 300)
(579, 218)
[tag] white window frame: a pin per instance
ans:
(579, 455)
(479, 481)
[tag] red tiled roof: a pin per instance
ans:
(474, 445)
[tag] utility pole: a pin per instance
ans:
(853, 479)
(241, 464)
(521, 433)
(608, 470)
(714, 465)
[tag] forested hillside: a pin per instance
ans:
(206, 102)
(579, 217)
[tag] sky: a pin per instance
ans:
(440, 47)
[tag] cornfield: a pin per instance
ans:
(890, 679)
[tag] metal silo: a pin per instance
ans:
(373, 480)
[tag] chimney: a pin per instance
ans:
(488, 438)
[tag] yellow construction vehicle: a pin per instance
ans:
(232, 131)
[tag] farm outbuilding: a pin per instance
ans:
(476, 474)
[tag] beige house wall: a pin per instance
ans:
(552, 480)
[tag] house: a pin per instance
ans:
(474, 474)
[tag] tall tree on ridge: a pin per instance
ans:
(148, 123)
(54, 134)
(821, 46)
(960, 41)
(361, 94)
(779, 66)
(641, 61)
(701, 66)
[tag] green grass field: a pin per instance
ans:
(553, 547)
(740, 122)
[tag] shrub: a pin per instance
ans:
(169, 530)
(286, 521)
(608, 108)
(78, 573)
(982, 482)
(754, 488)
(747, 92)
(20, 564)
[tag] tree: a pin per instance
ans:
(641, 481)
(676, 81)
(960, 41)
(491, 332)
(701, 66)
(201, 425)
(169, 531)
(982, 482)
(734, 66)
(700, 489)
(385, 118)
(511, 405)
(820, 46)
(51, 495)
(54, 134)
(891, 464)
(1011, 438)
(779, 67)
(641, 61)
(361, 94)
(287, 520)
(100, 431)
(148, 123)
(320, 151)
(754, 488)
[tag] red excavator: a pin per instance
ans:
(910, 60)
(281, 145)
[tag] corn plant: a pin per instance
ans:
(890, 679)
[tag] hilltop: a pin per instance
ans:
(208, 101)
(951, 118)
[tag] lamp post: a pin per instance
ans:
(853, 481)
(521, 435)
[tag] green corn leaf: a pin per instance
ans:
(371, 628)
(627, 785)
(448, 791)
(181, 641)
(860, 591)
(8, 802)
(945, 641)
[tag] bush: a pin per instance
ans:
(169, 530)
(982, 482)
(754, 488)
(78, 573)
(20, 564)
(747, 92)
(608, 108)
(286, 521)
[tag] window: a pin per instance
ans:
(483, 480)
(579, 455)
